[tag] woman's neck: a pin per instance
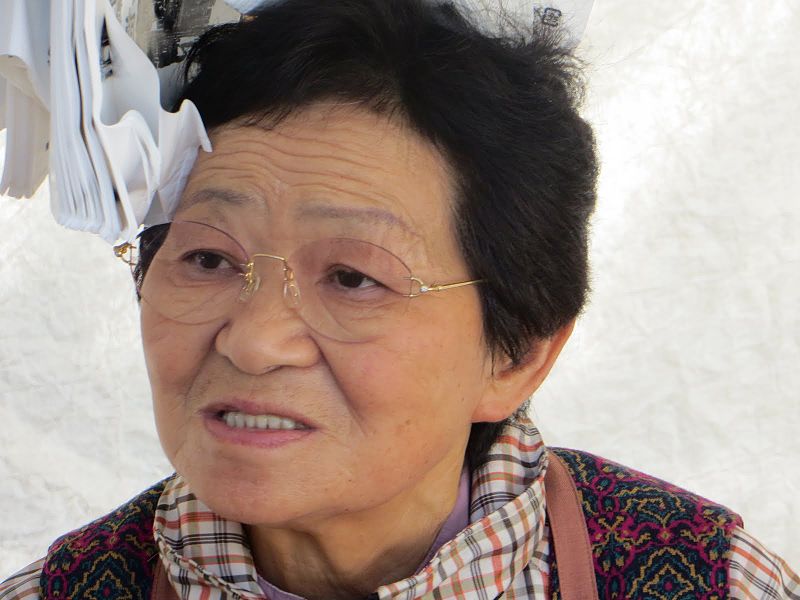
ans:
(348, 556)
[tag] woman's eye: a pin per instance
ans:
(208, 260)
(350, 279)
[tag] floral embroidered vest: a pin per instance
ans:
(650, 540)
(112, 558)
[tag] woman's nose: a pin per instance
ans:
(265, 331)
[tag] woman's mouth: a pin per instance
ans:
(264, 422)
(262, 430)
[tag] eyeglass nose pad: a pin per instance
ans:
(251, 282)
(292, 293)
(290, 290)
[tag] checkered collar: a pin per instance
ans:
(207, 556)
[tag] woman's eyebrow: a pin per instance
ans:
(369, 215)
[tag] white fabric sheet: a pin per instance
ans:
(685, 364)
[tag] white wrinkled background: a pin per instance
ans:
(686, 363)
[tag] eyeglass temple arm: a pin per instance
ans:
(424, 288)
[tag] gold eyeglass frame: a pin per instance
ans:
(124, 252)
(290, 288)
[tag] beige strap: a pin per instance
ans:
(162, 589)
(568, 533)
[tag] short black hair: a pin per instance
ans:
(502, 108)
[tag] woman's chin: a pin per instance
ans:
(246, 499)
(252, 487)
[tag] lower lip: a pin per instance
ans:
(261, 438)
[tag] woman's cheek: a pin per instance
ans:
(384, 382)
(174, 353)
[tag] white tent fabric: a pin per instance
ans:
(685, 364)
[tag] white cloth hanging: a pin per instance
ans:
(90, 117)
(569, 15)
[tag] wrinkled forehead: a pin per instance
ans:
(331, 166)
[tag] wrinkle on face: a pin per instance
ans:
(393, 413)
(293, 171)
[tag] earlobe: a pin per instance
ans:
(511, 385)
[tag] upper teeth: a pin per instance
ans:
(241, 420)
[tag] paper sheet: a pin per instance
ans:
(115, 157)
(25, 88)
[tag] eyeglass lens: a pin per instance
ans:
(350, 290)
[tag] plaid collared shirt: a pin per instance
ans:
(504, 550)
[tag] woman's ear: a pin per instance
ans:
(511, 385)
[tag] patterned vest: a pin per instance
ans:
(650, 540)
(112, 558)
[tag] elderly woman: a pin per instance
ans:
(363, 283)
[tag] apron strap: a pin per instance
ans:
(162, 589)
(568, 533)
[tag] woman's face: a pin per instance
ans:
(385, 416)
